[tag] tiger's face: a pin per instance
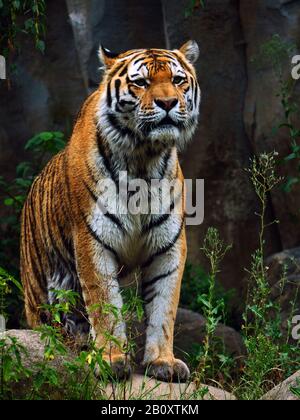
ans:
(150, 97)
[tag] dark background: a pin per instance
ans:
(239, 110)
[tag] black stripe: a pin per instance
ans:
(138, 60)
(132, 93)
(117, 87)
(108, 95)
(102, 243)
(155, 223)
(67, 244)
(66, 166)
(115, 220)
(40, 277)
(123, 102)
(50, 193)
(142, 65)
(166, 159)
(35, 247)
(44, 227)
(124, 71)
(105, 158)
(165, 248)
(115, 71)
(91, 174)
(157, 278)
(124, 131)
(91, 192)
(150, 299)
(196, 94)
(193, 86)
(182, 63)
(110, 216)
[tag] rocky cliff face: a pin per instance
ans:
(239, 103)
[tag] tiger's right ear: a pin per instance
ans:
(107, 57)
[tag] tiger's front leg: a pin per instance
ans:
(162, 276)
(98, 269)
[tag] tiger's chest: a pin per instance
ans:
(134, 226)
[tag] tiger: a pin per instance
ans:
(137, 121)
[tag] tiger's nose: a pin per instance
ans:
(166, 104)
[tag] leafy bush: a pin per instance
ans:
(21, 17)
(196, 284)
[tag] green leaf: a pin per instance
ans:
(40, 45)
(16, 4)
(296, 391)
(9, 202)
(290, 157)
(29, 24)
(58, 134)
(290, 183)
(46, 136)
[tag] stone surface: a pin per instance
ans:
(46, 91)
(283, 391)
(151, 389)
(287, 294)
(190, 331)
(139, 386)
(260, 20)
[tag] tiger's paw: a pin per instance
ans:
(168, 371)
(120, 368)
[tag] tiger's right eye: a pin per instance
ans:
(141, 82)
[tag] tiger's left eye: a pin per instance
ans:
(141, 82)
(177, 80)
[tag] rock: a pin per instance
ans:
(151, 389)
(286, 295)
(190, 333)
(283, 391)
(139, 386)
(190, 330)
(260, 20)
(47, 90)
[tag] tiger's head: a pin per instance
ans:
(149, 97)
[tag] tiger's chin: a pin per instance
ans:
(168, 134)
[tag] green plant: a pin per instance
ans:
(11, 293)
(12, 369)
(21, 17)
(11, 352)
(264, 180)
(269, 356)
(196, 283)
(215, 250)
(296, 389)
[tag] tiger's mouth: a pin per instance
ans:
(167, 121)
(166, 124)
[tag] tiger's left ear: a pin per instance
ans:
(107, 57)
(191, 51)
